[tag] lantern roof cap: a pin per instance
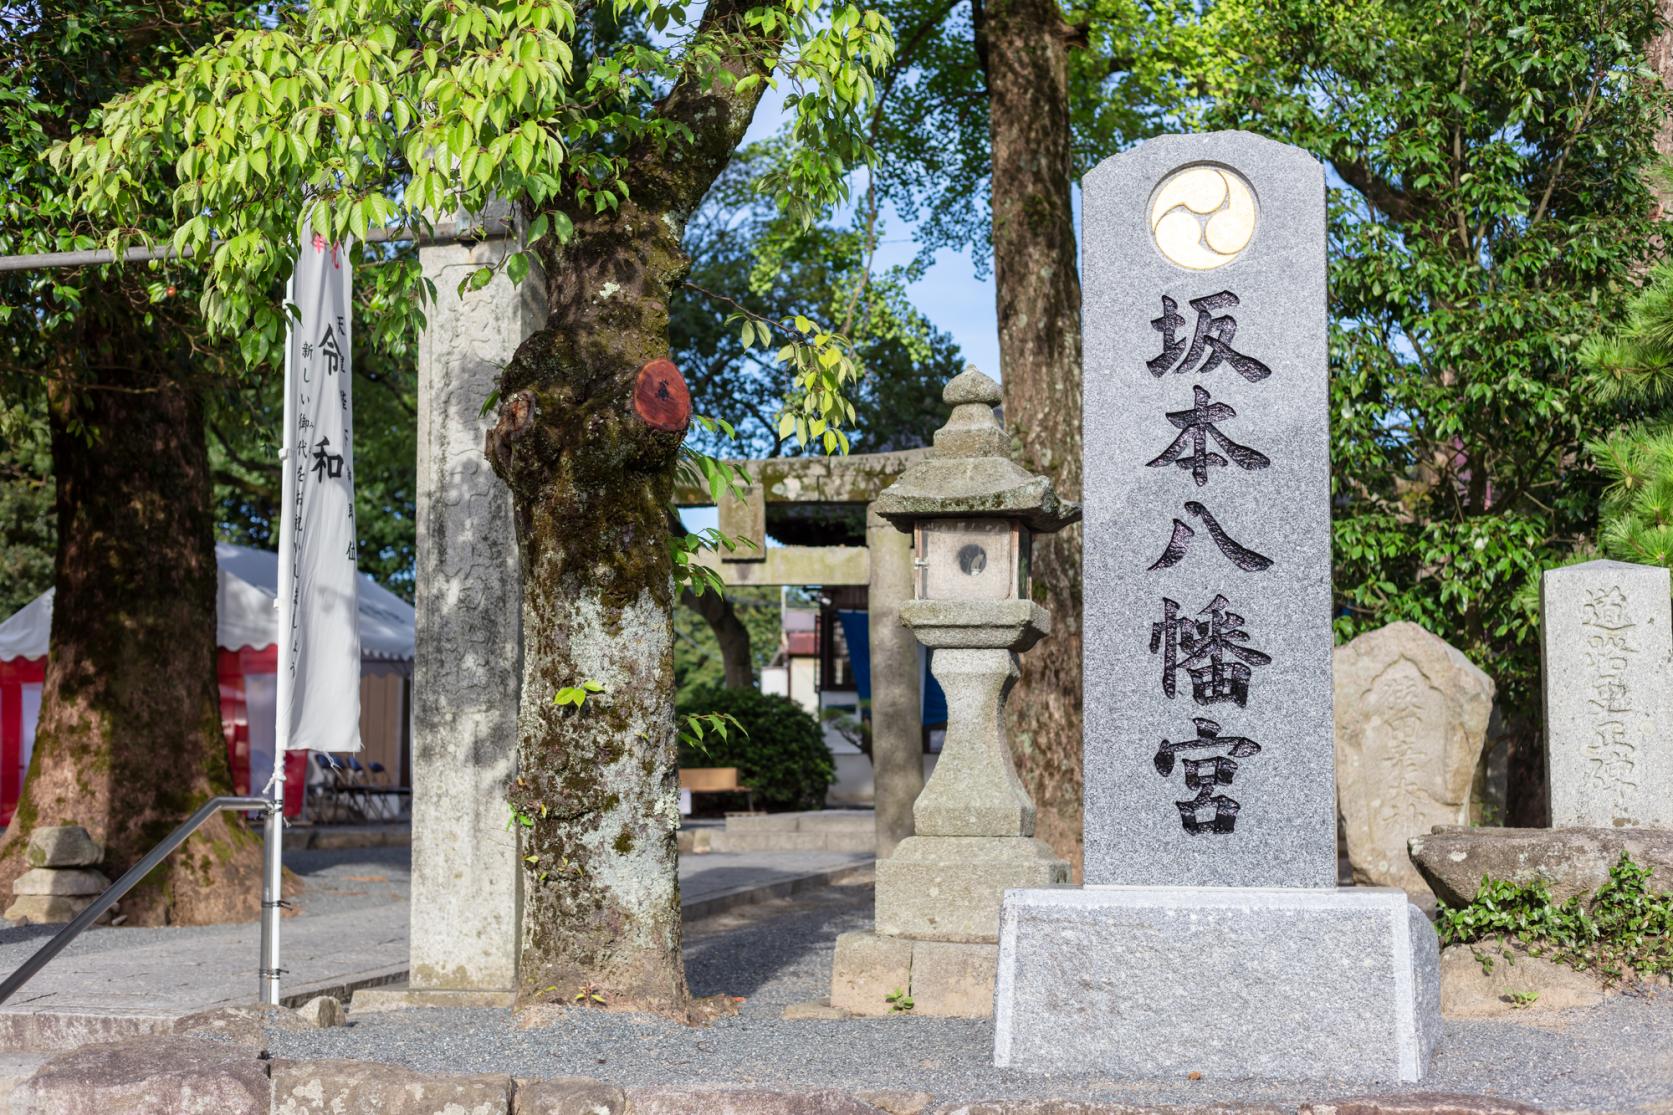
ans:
(969, 474)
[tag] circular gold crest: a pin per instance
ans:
(1203, 217)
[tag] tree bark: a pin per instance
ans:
(129, 739)
(1659, 56)
(587, 438)
(730, 633)
(1026, 57)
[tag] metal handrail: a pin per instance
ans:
(138, 871)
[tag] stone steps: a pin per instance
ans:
(827, 830)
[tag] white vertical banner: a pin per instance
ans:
(319, 638)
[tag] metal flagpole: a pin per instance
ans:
(272, 897)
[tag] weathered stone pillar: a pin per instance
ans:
(897, 760)
(465, 878)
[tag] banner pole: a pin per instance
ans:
(272, 896)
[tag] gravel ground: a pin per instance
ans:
(1614, 1058)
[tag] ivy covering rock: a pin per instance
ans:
(1622, 930)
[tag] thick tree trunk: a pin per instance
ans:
(1659, 55)
(591, 419)
(129, 739)
(1038, 292)
(730, 634)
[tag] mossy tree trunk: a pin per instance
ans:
(1024, 48)
(129, 738)
(590, 422)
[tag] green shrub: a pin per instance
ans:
(1623, 929)
(783, 758)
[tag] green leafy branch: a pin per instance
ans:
(576, 694)
(694, 726)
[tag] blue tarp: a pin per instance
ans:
(856, 630)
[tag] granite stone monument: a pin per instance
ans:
(1608, 694)
(1412, 715)
(1210, 935)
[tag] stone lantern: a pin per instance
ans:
(972, 512)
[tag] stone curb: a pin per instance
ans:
(190, 1076)
(780, 888)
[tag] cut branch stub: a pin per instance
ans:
(517, 414)
(661, 398)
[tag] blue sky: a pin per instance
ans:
(949, 294)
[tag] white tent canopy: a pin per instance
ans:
(245, 615)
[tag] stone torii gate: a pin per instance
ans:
(466, 886)
(883, 565)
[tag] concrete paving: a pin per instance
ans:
(349, 930)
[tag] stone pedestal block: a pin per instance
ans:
(1257, 983)
(944, 979)
(948, 888)
(953, 980)
(866, 969)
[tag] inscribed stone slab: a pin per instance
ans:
(1608, 694)
(465, 879)
(1208, 735)
(1411, 721)
(1233, 983)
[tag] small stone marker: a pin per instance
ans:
(1207, 537)
(62, 846)
(1210, 935)
(1608, 694)
(1411, 722)
(62, 879)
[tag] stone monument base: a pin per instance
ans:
(1234, 983)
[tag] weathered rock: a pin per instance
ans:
(572, 1095)
(744, 1101)
(1574, 861)
(47, 909)
(150, 1076)
(1099, 1107)
(68, 881)
(897, 1102)
(339, 1087)
(242, 1025)
(1513, 984)
(62, 846)
(1411, 721)
(1421, 1103)
(322, 1012)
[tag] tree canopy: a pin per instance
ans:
(1488, 211)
